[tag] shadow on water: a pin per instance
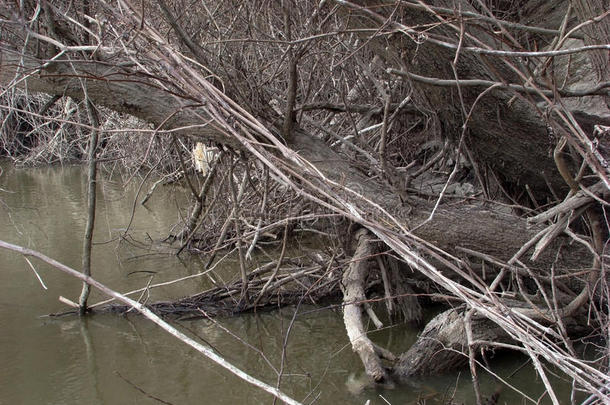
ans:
(103, 358)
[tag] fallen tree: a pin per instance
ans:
(463, 76)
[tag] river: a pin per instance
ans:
(113, 359)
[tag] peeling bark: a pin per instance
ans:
(354, 298)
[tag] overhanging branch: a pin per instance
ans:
(599, 89)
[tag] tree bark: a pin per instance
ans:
(443, 344)
(505, 132)
(597, 33)
(114, 87)
(354, 298)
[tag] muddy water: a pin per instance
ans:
(110, 359)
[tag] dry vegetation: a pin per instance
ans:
(457, 153)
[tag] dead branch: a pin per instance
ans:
(599, 89)
(353, 298)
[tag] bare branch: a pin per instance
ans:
(154, 318)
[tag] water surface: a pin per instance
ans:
(112, 359)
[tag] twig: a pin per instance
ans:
(290, 113)
(578, 200)
(154, 187)
(183, 166)
(277, 267)
(200, 201)
(142, 391)
(243, 299)
(230, 217)
(240, 340)
(451, 12)
(471, 359)
(355, 108)
(372, 315)
(36, 273)
(261, 213)
(386, 285)
(542, 374)
(384, 134)
(412, 33)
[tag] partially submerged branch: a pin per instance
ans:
(506, 132)
(154, 318)
(354, 298)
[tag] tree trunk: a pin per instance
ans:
(504, 132)
(597, 33)
(442, 344)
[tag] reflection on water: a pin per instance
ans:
(102, 358)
